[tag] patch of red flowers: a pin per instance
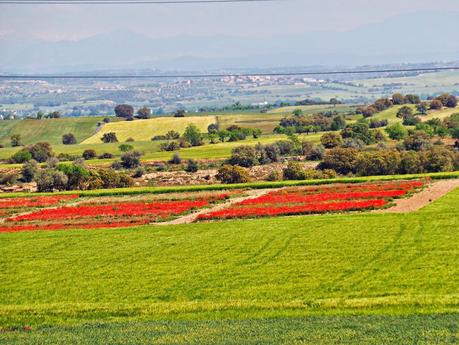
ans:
(38, 201)
(102, 225)
(163, 209)
(317, 199)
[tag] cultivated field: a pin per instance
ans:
(375, 278)
(50, 130)
(143, 130)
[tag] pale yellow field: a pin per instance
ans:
(144, 130)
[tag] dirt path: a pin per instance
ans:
(189, 218)
(434, 191)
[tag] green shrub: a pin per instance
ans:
(244, 156)
(49, 180)
(131, 159)
(21, 156)
(89, 154)
(192, 166)
(232, 174)
(29, 170)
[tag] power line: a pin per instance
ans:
(222, 75)
(123, 2)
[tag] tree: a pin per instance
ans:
(29, 170)
(193, 135)
(144, 113)
(297, 112)
(109, 137)
(422, 108)
(192, 166)
(131, 159)
(69, 139)
(54, 115)
(48, 180)
(125, 147)
(125, 111)
(404, 112)
(339, 122)
(342, 160)
(359, 130)
(412, 99)
(40, 115)
(179, 113)
(175, 159)
(436, 104)
(89, 154)
(396, 131)
(418, 141)
(212, 128)
(172, 135)
(41, 152)
(244, 156)
(398, 99)
(232, 174)
(16, 140)
(330, 140)
(451, 102)
(294, 171)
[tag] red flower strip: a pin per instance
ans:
(38, 201)
(291, 210)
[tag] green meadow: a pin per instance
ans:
(351, 278)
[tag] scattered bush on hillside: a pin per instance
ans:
(244, 156)
(105, 155)
(131, 159)
(89, 154)
(192, 166)
(330, 140)
(21, 156)
(49, 180)
(396, 131)
(342, 160)
(169, 146)
(192, 135)
(144, 113)
(179, 113)
(417, 141)
(125, 147)
(436, 105)
(29, 170)
(232, 174)
(109, 137)
(69, 139)
(175, 159)
(172, 135)
(16, 140)
(8, 179)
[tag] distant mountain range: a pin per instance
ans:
(414, 38)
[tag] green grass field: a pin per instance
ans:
(342, 278)
(151, 149)
(50, 130)
(144, 130)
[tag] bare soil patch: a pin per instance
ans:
(434, 191)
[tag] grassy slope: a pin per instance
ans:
(151, 149)
(51, 130)
(266, 122)
(310, 109)
(361, 264)
(143, 130)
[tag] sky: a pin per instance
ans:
(262, 19)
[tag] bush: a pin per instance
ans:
(404, 112)
(9, 179)
(105, 155)
(49, 180)
(396, 131)
(69, 139)
(360, 131)
(29, 170)
(131, 159)
(172, 135)
(179, 113)
(377, 163)
(244, 156)
(66, 157)
(232, 174)
(16, 140)
(330, 140)
(192, 166)
(109, 137)
(169, 146)
(286, 147)
(41, 152)
(89, 154)
(212, 128)
(274, 175)
(130, 140)
(21, 156)
(139, 172)
(107, 178)
(77, 175)
(352, 143)
(417, 141)
(193, 135)
(342, 160)
(436, 104)
(316, 153)
(125, 111)
(294, 171)
(269, 153)
(125, 147)
(158, 138)
(175, 159)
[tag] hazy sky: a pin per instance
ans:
(240, 19)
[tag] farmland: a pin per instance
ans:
(143, 130)
(311, 278)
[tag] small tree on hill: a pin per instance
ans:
(109, 137)
(125, 111)
(144, 113)
(16, 140)
(179, 113)
(69, 139)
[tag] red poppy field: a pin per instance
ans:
(61, 212)
(317, 200)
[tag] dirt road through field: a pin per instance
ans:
(434, 191)
(189, 218)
